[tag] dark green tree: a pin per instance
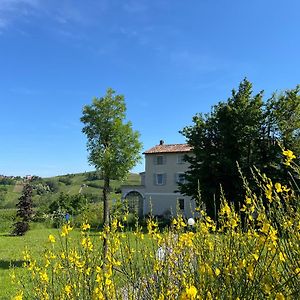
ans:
(24, 211)
(245, 131)
(113, 145)
(284, 118)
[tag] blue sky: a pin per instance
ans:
(170, 58)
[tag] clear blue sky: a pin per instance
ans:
(170, 58)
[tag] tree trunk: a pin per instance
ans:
(105, 215)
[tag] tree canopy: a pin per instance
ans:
(244, 131)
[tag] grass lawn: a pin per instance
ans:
(11, 254)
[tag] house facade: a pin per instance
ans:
(158, 193)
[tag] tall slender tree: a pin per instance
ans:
(113, 145)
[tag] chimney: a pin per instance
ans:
(161, 142)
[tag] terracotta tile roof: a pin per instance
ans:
(170, 148)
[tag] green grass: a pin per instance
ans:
(11, 248)
(6, 219)
(11, 253)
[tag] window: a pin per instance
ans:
(180, 158)
(160, 179)
(159, 160)
(181, 204)
(180, 178)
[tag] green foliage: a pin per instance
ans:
(283, 118)
(91, 176)
(24, 212)
(93, 214)
(7, 181)
(244, 131)
(41, 188)
(72, 204)
(92, 198)
(42, 196)
(66, 180)
(53, 185)
(65, 203)
(3, 192)
(113, 145)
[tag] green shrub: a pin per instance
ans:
(53, 185)
(66, 204)
(7, 181)
(66, 180)
(91, 176)
(93, 214)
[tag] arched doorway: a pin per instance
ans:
(135, 202)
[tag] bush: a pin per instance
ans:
(91, 176)
(66, 180)
(71, 204)
(93, 215)
(53, 185)
(41, 188)
(7, 181)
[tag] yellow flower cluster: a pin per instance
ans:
(66, 229)
(252, 253)
(289, 156)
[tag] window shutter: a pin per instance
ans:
(164, 159)
(154, 160)
(165, 179)
(154, 179)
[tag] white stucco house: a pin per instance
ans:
(157, 194)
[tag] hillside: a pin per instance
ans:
(48, 189)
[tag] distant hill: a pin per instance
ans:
(47, 189)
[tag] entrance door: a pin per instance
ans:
(135, 203)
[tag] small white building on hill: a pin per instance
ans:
(158, 193)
